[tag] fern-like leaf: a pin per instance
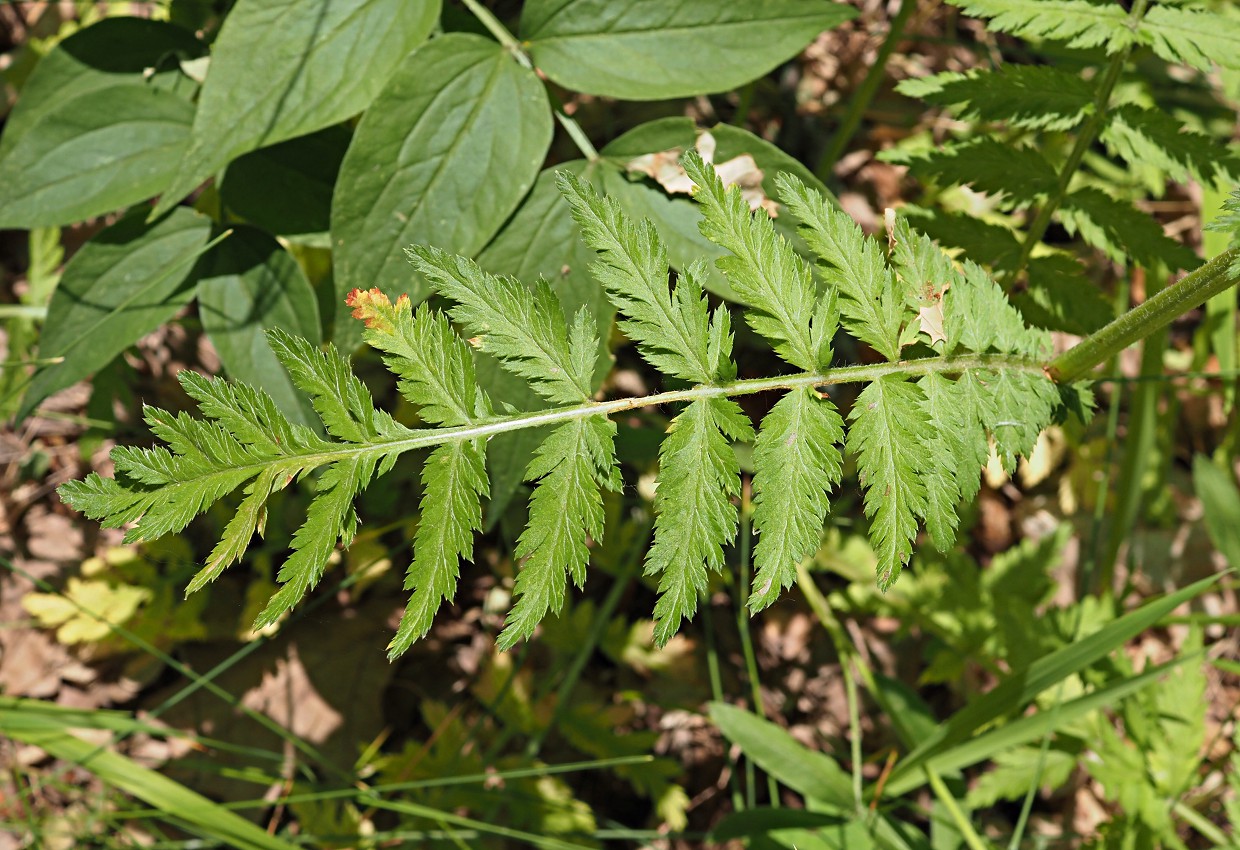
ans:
(1123, 232)
(698, 477)
(523, 327)
(978, 317)
(1077, 22)
(889, 435)
(987, 164)
(920, 431)
(434, 365)
(1193, 36)
(669, 327)
(571, 467)
(1034, 97)
(797, 464)
(1152, 137)
(763, 270)
(871, 303)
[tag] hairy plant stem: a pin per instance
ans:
(864, 94)
(1194, 290)
(427, 437)
(1084, 141)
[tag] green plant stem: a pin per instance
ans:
(420, 438)
(967, 833)
(23, 311)
(850, 666)
(864, 94)
(513, 46)
(578, 135)
(1203, 825)
(716, 694)
(1084, 141)
(1194, 290)
(498, 30)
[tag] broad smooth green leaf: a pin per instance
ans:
(247, 284)
(811, 774)
(443, 157)
(125, 282)
(99, 152)
(540, 240)
(286, 189)
(652, 50)
(115, 51)
(1221, 502)
(284, 68)
(48, 729)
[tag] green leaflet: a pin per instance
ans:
(1150, 136)
(1193, 36)
(571, 467)
(670, 328)
(798, 464)
(1078, 22)
(889, 434)
(455, 481)
(987, 164)
(1031, 96)
(763, 271)
(962, 371)
(698, 478)
(871, 303)
(523, 327)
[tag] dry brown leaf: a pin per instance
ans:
(742, 171)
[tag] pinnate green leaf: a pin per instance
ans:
(763, 270)
(1151, 136)
(454, 481)
(888, 435)
(1078, 22)
(798, 464)
(571, 467)
(698, 476)
(670, 328)
(434, 365)
(872, 305)
(1196, 37)
(523, 327)
(1037, 97)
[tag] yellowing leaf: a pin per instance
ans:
(86, 610)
